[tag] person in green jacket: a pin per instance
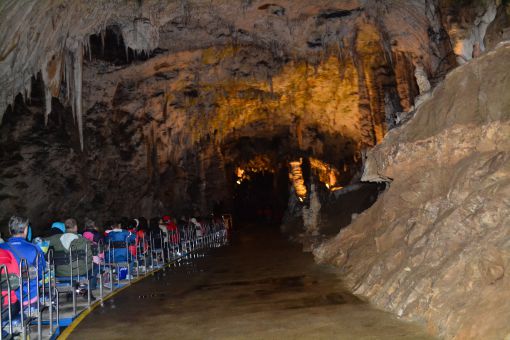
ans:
(72, 241)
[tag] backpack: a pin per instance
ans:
(11, 264)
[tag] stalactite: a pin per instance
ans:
(103, 37)
(342, 65)
(67, 75)
(28, 90)
(47, 93)
(73, 73)
(296, 176)
(86, 47)
(78, 72)
(367, 126)
(271, 88)
(186, 11)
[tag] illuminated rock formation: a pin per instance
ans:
(161, 92)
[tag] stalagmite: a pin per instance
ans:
(421, 79)
(311, 214)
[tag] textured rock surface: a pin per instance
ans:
(435, 247)
(161, 100)
(466, 23)
(119, 107)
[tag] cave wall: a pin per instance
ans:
(434, 248)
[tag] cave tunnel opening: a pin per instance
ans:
(261, 198)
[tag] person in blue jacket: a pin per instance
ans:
(22, 249)
(118, 234)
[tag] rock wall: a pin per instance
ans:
(435, 247)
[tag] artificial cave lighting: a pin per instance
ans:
(258, 164)
(241, 175)
(326, 173)
(240, 172)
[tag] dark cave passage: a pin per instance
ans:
(261, 198)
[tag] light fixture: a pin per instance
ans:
(238, 181)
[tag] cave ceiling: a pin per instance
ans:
(174, 86)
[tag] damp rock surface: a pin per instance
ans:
(251, 289)
(435, 247)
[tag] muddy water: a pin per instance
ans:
(259, 287)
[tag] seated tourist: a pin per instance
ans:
(11, 265)
(22, 249)
(137, 227)
(116, 237)
(91, 232)
(72, 241)
(162, 227)
(171, 229)
(199, 232)
(57, 228)
(142, 228)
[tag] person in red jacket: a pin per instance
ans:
(171, 227)
(12, 267)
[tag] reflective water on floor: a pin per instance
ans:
(259, 287)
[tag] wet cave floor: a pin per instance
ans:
(258, 287)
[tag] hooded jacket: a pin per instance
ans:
(63, 243)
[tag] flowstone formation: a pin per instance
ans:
(435, 247)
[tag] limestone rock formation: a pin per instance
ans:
(173, 95)
(435, 246)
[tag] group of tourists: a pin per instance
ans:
(63, 238)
